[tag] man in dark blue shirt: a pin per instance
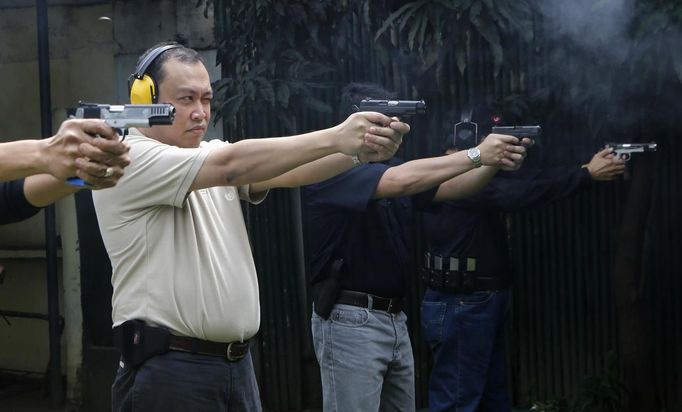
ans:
(468, 272)
(13, 204)
(360, 225)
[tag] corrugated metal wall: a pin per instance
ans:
(562, 324)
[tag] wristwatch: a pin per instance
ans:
(475, 155)
(356, 159)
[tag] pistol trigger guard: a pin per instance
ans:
(625, 156)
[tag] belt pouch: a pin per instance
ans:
(138, 341)
(326, 291)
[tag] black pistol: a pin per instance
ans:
(518, 131)
(400, 108)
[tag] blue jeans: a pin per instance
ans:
(180, 381)
(365, 359)
(466, 334)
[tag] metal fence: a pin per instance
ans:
(562, 326)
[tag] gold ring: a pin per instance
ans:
(109, 172)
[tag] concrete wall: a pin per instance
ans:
(93, 48)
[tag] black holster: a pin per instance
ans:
(138, 341)
(326, 291)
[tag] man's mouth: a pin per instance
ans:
(199, 128)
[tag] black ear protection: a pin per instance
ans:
(143, 88)
(466, 132)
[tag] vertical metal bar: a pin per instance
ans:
(55, 369)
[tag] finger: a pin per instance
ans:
(370, 147)
(384, 131)
(99, 170)
(400, 127)
(374, 157)
(96, 182)
(506, 138)
(93, 182)
(110, 147)
(375, 117)
(504, 162)
(605, 152)
(108, 152)
(527, 142)
(516, 149)
(389, 143)
(516, 157)
(97, 127)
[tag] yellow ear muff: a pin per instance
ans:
(143, 91)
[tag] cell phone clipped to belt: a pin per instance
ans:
(326, 292)
(138, 341)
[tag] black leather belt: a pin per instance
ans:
(369, 301)
(232, 351)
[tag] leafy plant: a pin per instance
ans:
(596, 394)
(436, 29)
(274, 54)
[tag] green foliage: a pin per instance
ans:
(281, 54)
(596, 394)
(437, 28)
(274, 54)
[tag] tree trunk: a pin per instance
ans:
(630, 289)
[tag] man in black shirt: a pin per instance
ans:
(468, 272)
(360, 238)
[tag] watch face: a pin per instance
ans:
(475, 155)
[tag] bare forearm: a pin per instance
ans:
(422, 174)
(309, 173)
(42, 190)
(466, 184)
(259, 160)
(20, 159)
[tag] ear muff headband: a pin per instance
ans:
(143, 88)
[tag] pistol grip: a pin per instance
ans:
(77, 181)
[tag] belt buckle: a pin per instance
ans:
(228, 353)
(390, 305)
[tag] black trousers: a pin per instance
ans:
(183, 382)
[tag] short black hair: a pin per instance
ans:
(353, 93)
(181, 53)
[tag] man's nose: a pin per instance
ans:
(198, 113)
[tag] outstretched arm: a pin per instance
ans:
(259, 160)
(422, 174)
(470, 183)
(466, 184)
(385, 141)
(58, 154)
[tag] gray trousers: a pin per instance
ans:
(366, 361)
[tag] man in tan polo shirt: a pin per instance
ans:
(185, 298)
